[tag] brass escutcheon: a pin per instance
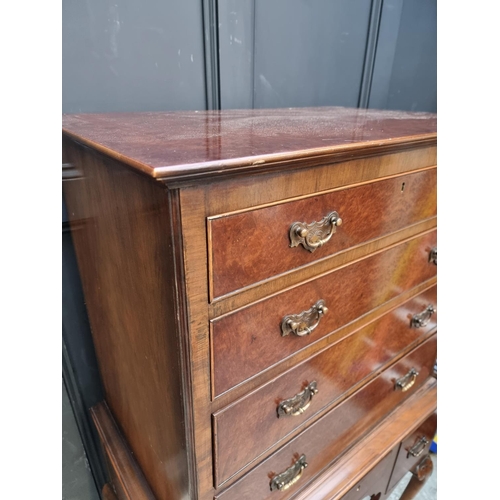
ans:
(305, 322)
(420, 320)
(314, 235)
(406, 382)
(299, 403)
(433, 256)
(288, 478)
(418, 448)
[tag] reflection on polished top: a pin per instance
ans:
(190, 144)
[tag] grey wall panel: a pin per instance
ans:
(405, 65)
(370, 53)
(280, 53)
(236, 50)
(386, 50)
(125, 55)
(309, 52)
(211, 39)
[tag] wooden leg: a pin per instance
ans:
(108, 493)
(125, 474)
(420, 476)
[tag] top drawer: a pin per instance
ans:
(251, 246)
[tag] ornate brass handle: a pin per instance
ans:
(314, 235)
(299, 403)
(418, 448)
(305, 322)
(420, 320)
(288, 478)
(406, 382)
(433, 256)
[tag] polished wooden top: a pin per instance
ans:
(193, 144)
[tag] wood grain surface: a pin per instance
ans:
(250, 425)
(108, 493)
(249, 340)
(254, 245)
(156, 192)
(202, 200)
(405, 461)
(374, 484)
(183, 145)
(128, 479)
(126, 262)
(368, 453)
(339, 429)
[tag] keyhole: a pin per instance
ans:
(402, 187)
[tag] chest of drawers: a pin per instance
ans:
(261, 287)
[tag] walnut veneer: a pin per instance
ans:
(261, 287)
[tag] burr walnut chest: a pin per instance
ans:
(261, 288)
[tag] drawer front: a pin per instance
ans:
(336, 431)
(252, 246)
(413, 449)
(375, 481)
(247, 428)
(250, 340)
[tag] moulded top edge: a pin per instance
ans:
(182, 145)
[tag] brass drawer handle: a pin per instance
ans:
(314, 235)
(305, 322)
(299, 403)
(288, 478)
(420, 320)
(433, 256)
(418, 448)
(406, 382)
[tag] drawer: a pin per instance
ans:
(248, 247)
(247, 428)
(413, 449)
(375, 481)
(332, 434)
(250, 340)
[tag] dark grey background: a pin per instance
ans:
(137, 55)
(147, 55)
